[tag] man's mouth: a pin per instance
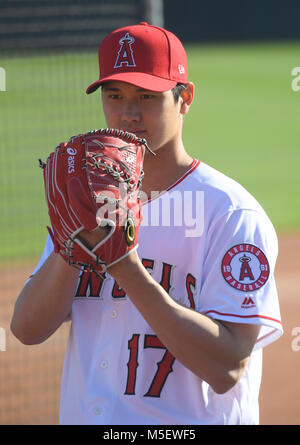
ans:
(137, 131)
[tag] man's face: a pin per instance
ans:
(148, 114)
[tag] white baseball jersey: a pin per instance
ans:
(211, 246)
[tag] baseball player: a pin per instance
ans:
(173, 333)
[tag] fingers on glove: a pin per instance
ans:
(80, 204)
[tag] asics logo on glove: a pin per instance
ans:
(71, 159)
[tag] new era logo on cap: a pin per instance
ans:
(143, 55)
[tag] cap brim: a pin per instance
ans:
(141, 80)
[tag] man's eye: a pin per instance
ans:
(147, 96)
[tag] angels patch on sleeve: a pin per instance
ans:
(245, 267)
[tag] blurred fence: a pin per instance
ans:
(233, 20)
(33, 24)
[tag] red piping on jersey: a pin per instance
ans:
(193, 167)
(243, 316)
(266, 335)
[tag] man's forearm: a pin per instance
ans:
(45, 301)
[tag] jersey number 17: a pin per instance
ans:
(164, 366)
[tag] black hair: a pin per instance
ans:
(177, 90)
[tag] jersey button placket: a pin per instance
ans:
(97, 410)
(113, 313)
(103, 364)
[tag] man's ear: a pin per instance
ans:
(187, 97)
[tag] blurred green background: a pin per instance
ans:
(244, 121)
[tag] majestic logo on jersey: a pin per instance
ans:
(247, 303)
(125, 54)
(246, 268)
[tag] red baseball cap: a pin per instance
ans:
(143, 55)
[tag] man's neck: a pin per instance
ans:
(164, 169)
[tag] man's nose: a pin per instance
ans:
(131, 112)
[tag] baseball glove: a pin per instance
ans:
(95, 180)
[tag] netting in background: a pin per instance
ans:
(48, 57)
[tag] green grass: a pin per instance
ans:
(244, 121)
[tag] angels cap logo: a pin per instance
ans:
(125, 54)
(245, 267)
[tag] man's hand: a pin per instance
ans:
(93, 237)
